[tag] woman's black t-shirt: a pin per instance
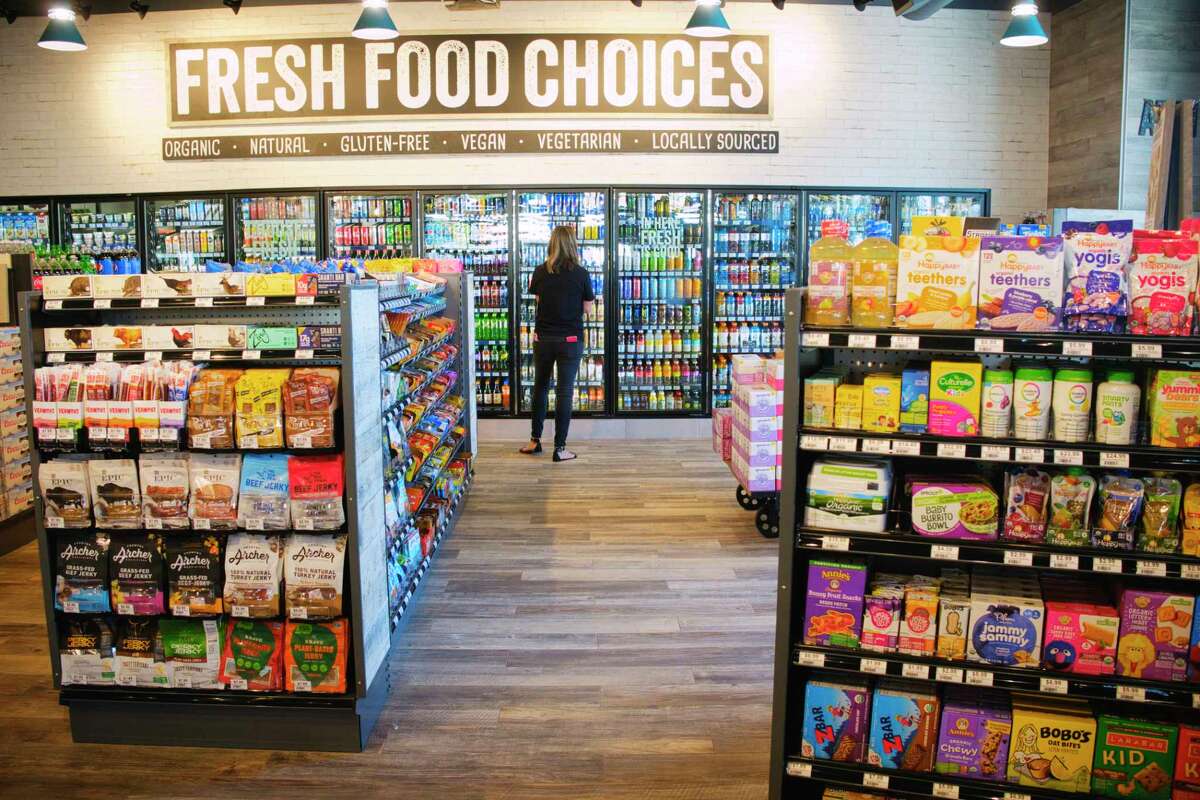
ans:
(561, 297)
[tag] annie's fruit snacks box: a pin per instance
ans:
(833, 603)
(1052, 745)
(904, 728)
(835, 721)
(973, 737)
(1187, 765)
(1134, 758)
(1155, 634)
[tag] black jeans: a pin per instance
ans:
(549, 354)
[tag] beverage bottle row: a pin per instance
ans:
(650, 205)
(94, 219)
(593, 339)
(855, 210)
(278, 208)
(753, 272)
(722, 374)
(591, 370)
(748, 304)
(661, 400)
(748, 337)
(681, 314)
(467, 205)
(652, 232)
(382, 234)
(587, 398)
(751, 241)
(491, 294)
(639, 258)
(491, 326)
(529, 304)
(348, 207)
(479, 263)
(564, 204)
(492, 392)
(191, 211)
(492, 358)
(754, 208)
(103, 241)
(276, 240)
(455, 235)
(660, 288)
(534, 255)
(21, 226)
(659, 372)
(194, 240)
(56, 260)
(658, 342)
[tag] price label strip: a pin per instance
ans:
(915, 671)
(947, 790)
(876, 446)
(1077, 348)
(1018, 558)
(991, 452)
(873, 666)
(948, 675)
(807, 658)
(1032, 455)
(1053, 685)
(946, 450)
(815, 340)
(841, 543)
(944, 552)
(1064, 561)
(977, 677)
(1118, 460)
(989, 345)
(843, 444)
(864, 341)
(1152, 351)
(1068, 457)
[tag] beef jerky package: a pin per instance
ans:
(164, 483)
(86, 651)
(316, 492)
(136, 570)
(313, 569)
(263, 500)
(252, 573)
(81, 577)
(253, 659)
(139, 660)
(116, 498)
(214, 490)
(192, 649)
(316, 656)
(194, 575)
(64, 487)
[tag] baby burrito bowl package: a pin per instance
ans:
(1097, 292)
(954, 508)
(1020, 283)
(936, 282)
(848, 494)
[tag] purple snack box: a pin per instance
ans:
(833, 606)
(973, 737)
(1155, 635)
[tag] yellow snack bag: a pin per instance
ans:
(937, 282)
(259, 411)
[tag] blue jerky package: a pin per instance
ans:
(263, 498)
(81, 577)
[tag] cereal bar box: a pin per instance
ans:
(1134, 758)
(1052, 745)
(904, 726)
(1080, 638)
(833, 605)
(835, 721)
(1020, 283)
(1187, 765)
(936, 282)
(973, 739)
(1155, 635)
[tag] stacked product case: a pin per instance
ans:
(348, 316)
(1019, 565)
(16, 480)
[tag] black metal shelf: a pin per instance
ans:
(912, 784)
(127, 356)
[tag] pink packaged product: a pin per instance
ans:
(1155, 635)
(754, 479)
(1080, 637)
(723, 448)
(757, 400)
(1162, 285)
(757, 454)
(757, 429)
(722, 423)
(746, 369)
(881, 619)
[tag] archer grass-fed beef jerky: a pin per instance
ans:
(136, 572)
(252, 573)
(192, 649)
(116, 499)
(81, 576)
(253, 658)
(139, 657)
(194, 575)
(86, 651)
(64, 486)
(313, 575)
(315, 658)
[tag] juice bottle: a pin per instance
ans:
(829, 265)
(873, 281)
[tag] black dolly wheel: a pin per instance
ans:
(748, 501)
(767, 520)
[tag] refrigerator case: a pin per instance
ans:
(271, 227)
(660, 273)
(25, 221)
(98, 226)
(754, 254)
(937, 203)
(474, 228)
(183, 234)
(369, 225)
(856, 209)
(538, 213)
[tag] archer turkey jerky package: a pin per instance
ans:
(81, 575)
(194, 575)
(116, 499)
(313, 575)
(253, 658)
(136, 571)
(192, 649)
(86, 651)
(315, 657)
(139, 658)
(252, 573)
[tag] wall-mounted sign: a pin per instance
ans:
(499, 74)
(392, 143)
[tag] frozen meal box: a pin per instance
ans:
(1156, 630)
(1052, 745)
(904, 728)
(835, 721)
(1020, 283)
(833, 604)
(847, 494)
(936, 282)
(1134, 758)
(955, 395)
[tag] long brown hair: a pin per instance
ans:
(563, 254)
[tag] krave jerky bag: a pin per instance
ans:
(253, 659)
(164, 482)
(136, 571)
(192, 649)
(316, 492)
(252, 573)
(316, 656)
(313, 575)
(116, 498)
(194, 575)
(86, 651)
(263, 500)
(81, 576)
(64, 486)
(139, 658)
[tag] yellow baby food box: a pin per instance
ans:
(1052, 745)
(955, 395)
(881, 403)
(937, 282)
(848, 413)
(1174, 406)
(938, 225)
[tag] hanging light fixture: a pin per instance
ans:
(61, 33)
(1025, 30)
(375, 23)
(707, 20)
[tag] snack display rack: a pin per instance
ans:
(298, 720)
(899, 550)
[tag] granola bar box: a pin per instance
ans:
(1134, 758)
(835, 721)
(904, 728)
(1052, 744)
(973, 737)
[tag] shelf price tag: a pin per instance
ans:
(1064, 561)
(56, 358)
(875, 780)
(843, 444)
(948, 675)
(1106, 564)
(304, 354)
(1016, 796)
(901, 447)
(835, 543)
(201, 355)
(861, 340)
(102, 303)
(1076, 348)
(149, 302)
(810, 442)
(873, 666)
(991, 452)
(238, 684)
(1136, 694)
(944, 552)
(949, 790)
(917, 671)
(1141, 350)
(1114, 460)
(947, 450)
(1196, 701)
(799, 769)
(154, 355)
(808, 658)
(306, 300)
(181, 610)
(977, 677)
(906, 342)
(1155, 569)
(1032, 455)
(204, 302)
(239, 611)
(1052, 685)
(302, 686)
(256, 301)
(989, 345)
(252, 355)
(1189, 572)
(815, 340)
(70, 606)
(54, 305)
(876, 446)
(1018, 558)
(1068, 457)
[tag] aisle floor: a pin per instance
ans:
(602, 629)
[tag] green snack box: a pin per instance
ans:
(267, 338)
(1134, 759)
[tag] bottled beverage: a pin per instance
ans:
(830, 261)
(873, 281)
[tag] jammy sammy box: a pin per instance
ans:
(1053, 744)
(1155, 635)
(955, 395)
(1134, 758)
(835, 721)
(936, 282)
(1020, 283)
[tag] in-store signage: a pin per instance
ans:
(543, 142)
(440, 75)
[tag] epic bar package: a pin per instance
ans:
(64, 486)
(81, 577)
(136, 571)
(214, 490)
(194, 575)
(115, 495)
(86, 651)
(139, 660)
(252, 573)
(164, 482)
(312, 575)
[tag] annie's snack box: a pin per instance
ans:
(1134, 758)
(904, 728)
(1052, 745)
(1020, 283)
(833, 605)
(936, 282)
(1155, 634)
(835, 721)
(973, 737)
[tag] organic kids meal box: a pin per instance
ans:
(936, 285)
(1020, 283)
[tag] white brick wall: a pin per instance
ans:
(861, 100)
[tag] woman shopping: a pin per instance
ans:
(564, 295)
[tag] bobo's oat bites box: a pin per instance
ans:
(904, 728)
(1155, 635)
(835, 721)
(833, 605)
(1134, 758)
(1052, 745)
(973, 738)
(1187, 765)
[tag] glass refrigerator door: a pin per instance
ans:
(100, 227)
(856, 210)
(184, 234)
(474, 229)
(754, 262)
(538, 213)
(271, 228)
(25, 222)
(948, 204)
(660, 275)
(370, 225)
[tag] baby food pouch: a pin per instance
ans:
(1097, 293)
(1020, 283)
(936, 285)
(1162, 286)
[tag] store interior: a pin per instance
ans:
(883, 475)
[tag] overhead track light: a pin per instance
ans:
(61, 33)
(375, 23)
(233, 5)
(707, 20)
(139, 8)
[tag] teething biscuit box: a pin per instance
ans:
(1187, 765)
(1156, 629)
(904, 728)
(833, 604)
(1052, 745)
(973, 739)
(1134, 758)
(835, 721)
(1020, 283)
(936, 282)
(1080, 638)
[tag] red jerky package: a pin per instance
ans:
(316, 487)
(316, 656)
(253, 658)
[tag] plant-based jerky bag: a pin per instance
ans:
(86, 651)
(81, 577)
(316, 492)
(139, 660)
(253, 658)
(316, 656)
(116, 499)
(192, 648)
(252, 573)
(136, 571)
(194, 575)
(313, 575)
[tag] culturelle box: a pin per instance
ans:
(937, 282)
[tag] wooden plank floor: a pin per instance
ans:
(601, 629)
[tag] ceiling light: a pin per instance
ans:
(707, 20)
(374, 22)
(61, 33)
(1024, 31)
(139, 8)
(233, 5)
(637, 3)
(1024, 8)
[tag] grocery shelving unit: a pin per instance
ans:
(275, 720)
(899, 550)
